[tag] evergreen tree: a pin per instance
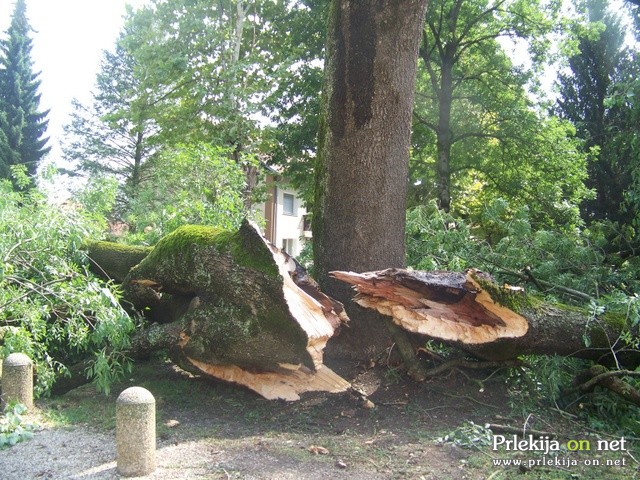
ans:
(602, 64)
(22, 123)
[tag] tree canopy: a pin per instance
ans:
(477, 133)
(598, 74)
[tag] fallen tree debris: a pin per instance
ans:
(446, 305)
(231, 306)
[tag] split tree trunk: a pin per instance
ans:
(490, 321)
(241, 311)
(238, 309)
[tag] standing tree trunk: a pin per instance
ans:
(362, 169)
(444, 135)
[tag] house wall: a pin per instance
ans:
(284, 230)
(289, 227)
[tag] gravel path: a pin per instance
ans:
(83, 453)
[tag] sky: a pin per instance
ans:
(68, 39)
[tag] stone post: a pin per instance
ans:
(136, 432)
(17, 380)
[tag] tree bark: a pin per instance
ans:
(362, 168)
(112, 261)
(444, 135)
(240, 310)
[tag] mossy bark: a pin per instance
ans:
(240, 316)
(230, 305)
(113, 261)
(562, 330)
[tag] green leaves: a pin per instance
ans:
(191, 184)
(13, 429)
(505, 243)
(469, 435)
(477, 134)
(592, 97)
(51, 308)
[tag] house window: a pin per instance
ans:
(288, 245)
(288, 204)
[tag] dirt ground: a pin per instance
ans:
(212, 430)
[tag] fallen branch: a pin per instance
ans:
(490, 321)
(471, 364)
(588, 386)
(543, 284)
(599, 375)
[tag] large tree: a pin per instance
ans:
(603, 62)
(361, 172)
(116, 133)
(22, 122)
(470, 93)
(186, 72)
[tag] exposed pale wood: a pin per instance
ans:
(446, 305)
(469, 310)
(318, 314)
(286, 384)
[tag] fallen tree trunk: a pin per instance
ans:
(493, 322)
(229, 305)
(242, 311)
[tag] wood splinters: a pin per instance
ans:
(447, 305)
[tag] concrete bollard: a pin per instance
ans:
(136, 432)
(17, 380)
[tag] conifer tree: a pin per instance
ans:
(22, 124)
(602, 63)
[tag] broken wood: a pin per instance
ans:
(450, 306)
(491, 321)
(599, 375)
(242, 311)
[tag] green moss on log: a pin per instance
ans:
(239, 247)
(516, 300)
(114, 260)
(241, 316)
(615, 320)
(605, 329)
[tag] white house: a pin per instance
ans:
(287, 225)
